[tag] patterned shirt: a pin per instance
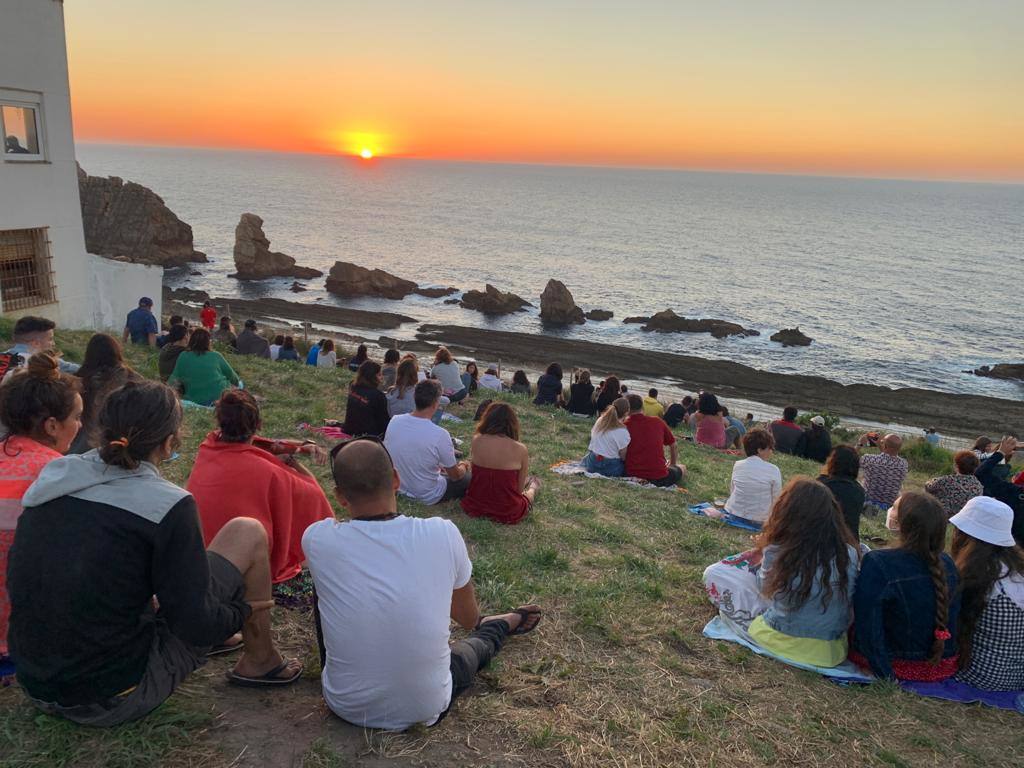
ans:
(953, 491)
(883, 477)
(997, 650)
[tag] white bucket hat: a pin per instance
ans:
(986, 519)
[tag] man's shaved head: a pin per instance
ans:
(892, 443)
(363, 470)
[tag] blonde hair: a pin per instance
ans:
(612, 416)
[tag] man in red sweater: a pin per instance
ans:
(645, 456)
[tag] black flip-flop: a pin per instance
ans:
(267, 680)
(525, 615)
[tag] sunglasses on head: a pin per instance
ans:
(345, 443)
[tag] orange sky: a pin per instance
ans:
(926, 89)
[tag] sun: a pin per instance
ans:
(366, 154)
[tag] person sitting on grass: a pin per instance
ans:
(276, 345)
(998, 487)
(581, 395)
(756, 483)
(326, 357)
(225, 334)
(953, 491)
(387, 587)
(401, 396)
(815, 442)
(103, 370)
(361, 356)
(389, 370)
(709, 424)
(609, 441)
(652, 406)
(423, 452)
(645, 457)
(501, 487)
(808, 573)
(521, 384)
(250, 342)
(312, 357)
(202, 372)
(883, 472)
(41, 409)
(239, 474)
(446, 371)
(177, 342)
(102, 535)
(608, 394)
(907, 602)
(471, 377)
(991, 569)
(141, 326)
(840, 477)
(549, 387)
(786, 431)
(490, 379)
(734, 428)
(31, 335)
(164, 338)
(366, 411)
(676, 414)
(288, 353)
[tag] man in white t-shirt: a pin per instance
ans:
(387, 587)
(423, 452)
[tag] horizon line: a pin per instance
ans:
(597, 166)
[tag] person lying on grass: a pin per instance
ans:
(114, 601)
(387, 587)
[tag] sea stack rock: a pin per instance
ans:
(348, 279)
(669, 322)
(557, 305)
(128, 222)
(436, 293)
(792, 337)
(636, 320)
(1001, 371)
(491, 301)
(601, 314)
(255, 261)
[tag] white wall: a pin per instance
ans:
(33, 59)
(117, 286)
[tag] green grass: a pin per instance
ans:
(617, 674)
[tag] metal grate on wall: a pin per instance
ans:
(26, 269)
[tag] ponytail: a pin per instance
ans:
(136, 420)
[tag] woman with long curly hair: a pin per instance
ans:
(907, 601)
(102, 371)
(991, 569)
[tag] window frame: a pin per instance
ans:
(43, 277)
(8, 99)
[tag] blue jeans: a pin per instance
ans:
(609, 467)
(458, 397)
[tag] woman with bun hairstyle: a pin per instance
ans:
(239, 474)
(102, 371)
(40, 409)
(102, 534)
(907, 601)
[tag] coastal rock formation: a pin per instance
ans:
(436, 293)
(557, 305)
(636, 320)
(599, 314)
(1001, 371)
(255, 261)
(348, 279)
(669, 322)
(491, 301)
(792, 337)
(298, 287)
(185, 294)
(452, 301)
(128, 222)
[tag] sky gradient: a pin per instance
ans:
(909, 89)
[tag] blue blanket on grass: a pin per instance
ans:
(738, 522)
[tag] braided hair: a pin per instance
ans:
(923, 533)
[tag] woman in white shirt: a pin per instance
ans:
(755, 482)
(609, 439)
(327, 358)
(446, 371)
(275, 348)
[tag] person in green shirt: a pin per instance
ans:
(203, 373)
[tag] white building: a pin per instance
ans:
(44, 267)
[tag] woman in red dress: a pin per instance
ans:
(500, 487)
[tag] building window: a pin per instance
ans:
(26, 272)
(19, 124)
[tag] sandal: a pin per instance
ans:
(527, 613)
(268, 680)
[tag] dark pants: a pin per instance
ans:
(675, 474)
(456, 489)
(474, 653)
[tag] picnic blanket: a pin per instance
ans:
(6, 670)
(725, 517)
(331, 433)
(720, 628)
(450, 417)
(953, 690)
(568, 467)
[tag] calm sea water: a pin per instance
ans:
(902, 283)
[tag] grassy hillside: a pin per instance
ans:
(618, 673)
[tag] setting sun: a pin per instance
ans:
(366, 154)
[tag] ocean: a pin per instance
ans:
(900, 283)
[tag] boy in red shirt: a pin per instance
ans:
(645, 456)
(208, 316)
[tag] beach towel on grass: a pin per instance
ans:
(568, 467)
(951, 690)
(738, 522)
(720, 628)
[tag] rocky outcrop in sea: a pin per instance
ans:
(669, 322)
(348, 279)
(128, 222)
(491, 301)
(558, 307)
(791, 337)
(255, 261)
